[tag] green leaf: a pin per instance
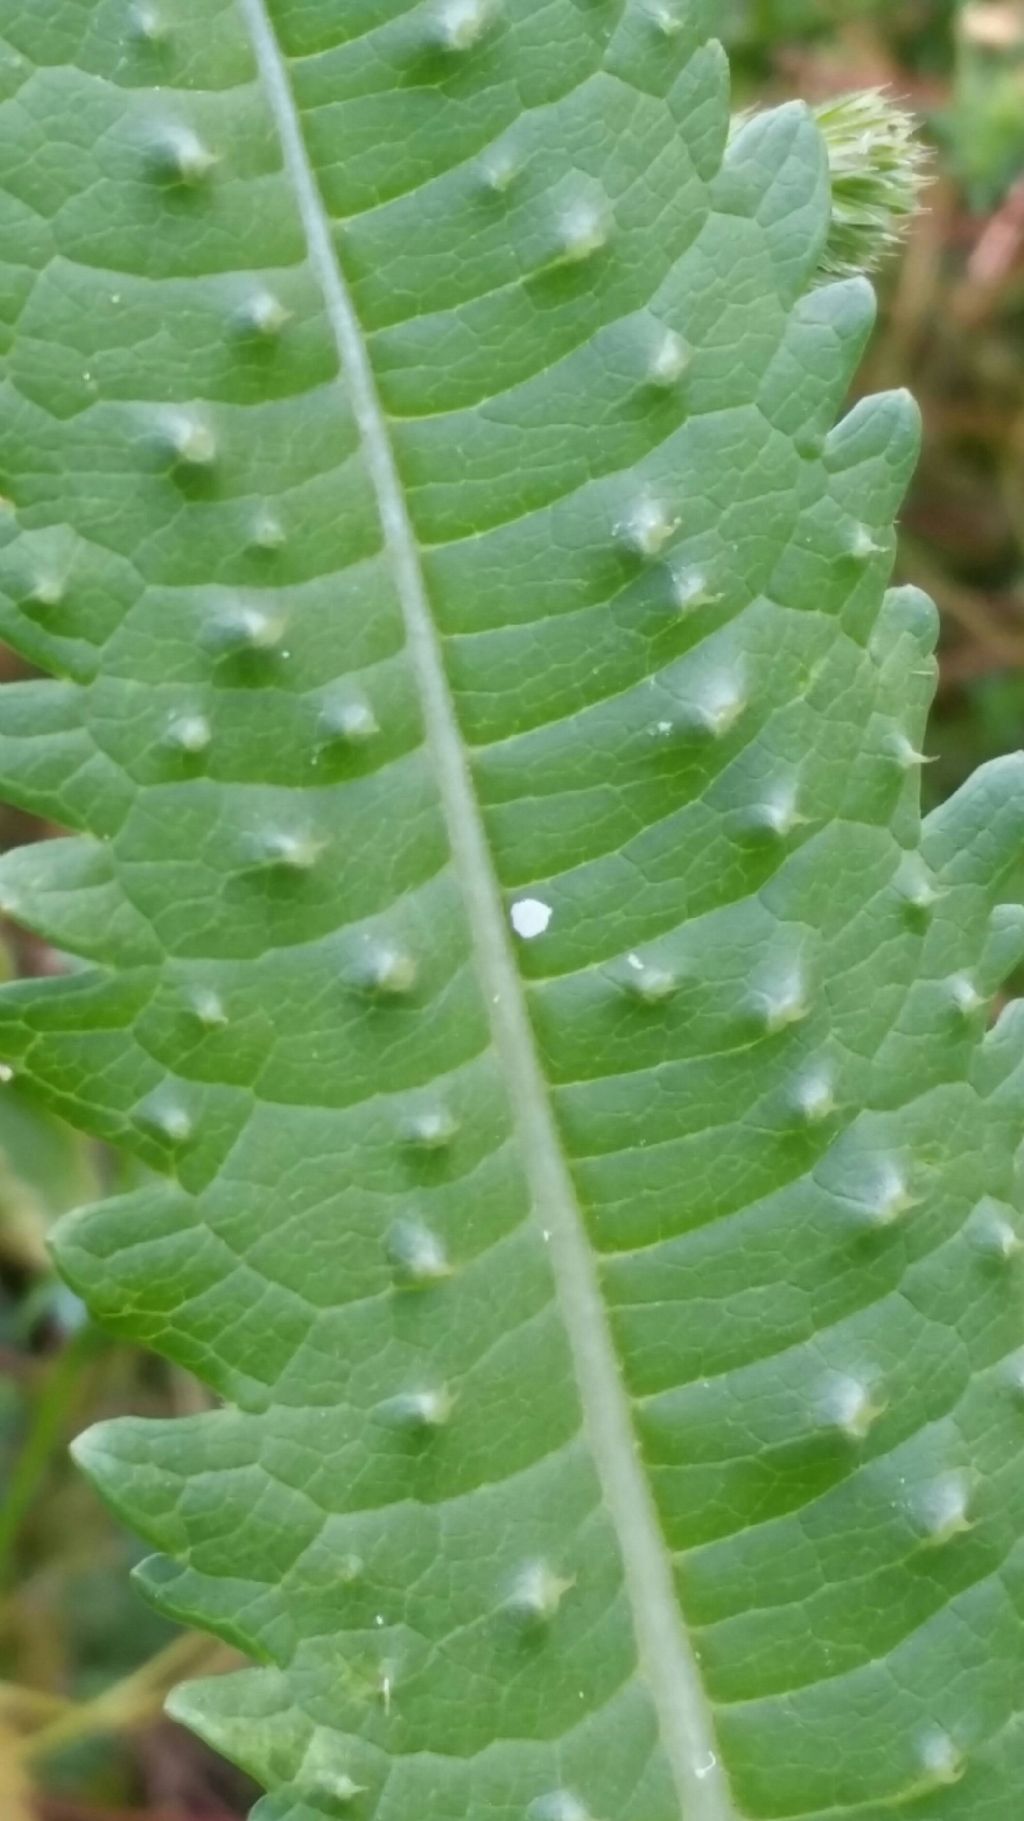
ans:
(490, 757)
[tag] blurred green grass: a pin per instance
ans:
(83, 1665)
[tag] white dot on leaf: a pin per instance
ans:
(530, 917)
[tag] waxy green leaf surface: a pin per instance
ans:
(584, 1153)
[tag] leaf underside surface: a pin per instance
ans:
(583, 1153)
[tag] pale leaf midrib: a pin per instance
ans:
(665, 1651)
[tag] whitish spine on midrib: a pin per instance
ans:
(666, 1654)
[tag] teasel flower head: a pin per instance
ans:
(879, 168)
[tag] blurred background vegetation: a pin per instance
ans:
(83, 1664)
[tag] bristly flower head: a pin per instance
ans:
(879, 167)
